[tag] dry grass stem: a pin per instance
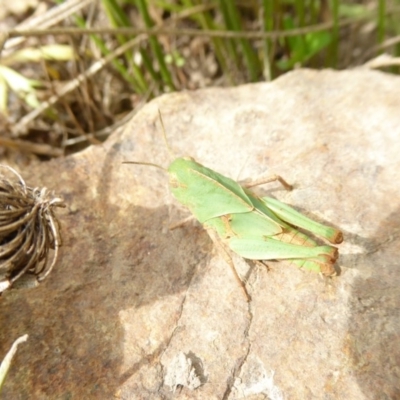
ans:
(5, 364)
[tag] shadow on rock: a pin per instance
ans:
(114, 261)
(373, 340)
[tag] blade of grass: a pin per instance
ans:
(222, 54)
(230, 43)
(334, 48)
(233, 21)
(6, 363)
(299, 12)
(381, 21)
(115, 13)
(267, 23)
(118, 18)
(155, 45)
(137, 81)
(313, 16)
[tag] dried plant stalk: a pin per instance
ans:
(5, 364)
(29, 232)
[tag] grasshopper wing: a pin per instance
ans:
(206, 193)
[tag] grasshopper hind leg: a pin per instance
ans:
(227, 257)
(221, 249)
(324, 266)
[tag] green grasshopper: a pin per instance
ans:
(255, 228)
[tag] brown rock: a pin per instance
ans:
(129, 298)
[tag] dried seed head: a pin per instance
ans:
(29, 232)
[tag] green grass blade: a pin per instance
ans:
(115, 13)
(300, 16)
(267, 22)
(232, 18)
(118, 18)
(155, 45)
(137, 81)
(206, 22)
(231, 44)
(333, 62)
(381, 20)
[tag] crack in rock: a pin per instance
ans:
(163, 374)
(242, 360)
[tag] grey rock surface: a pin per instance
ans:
(129, 297)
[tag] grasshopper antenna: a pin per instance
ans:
(144, 163)
(171, 153)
